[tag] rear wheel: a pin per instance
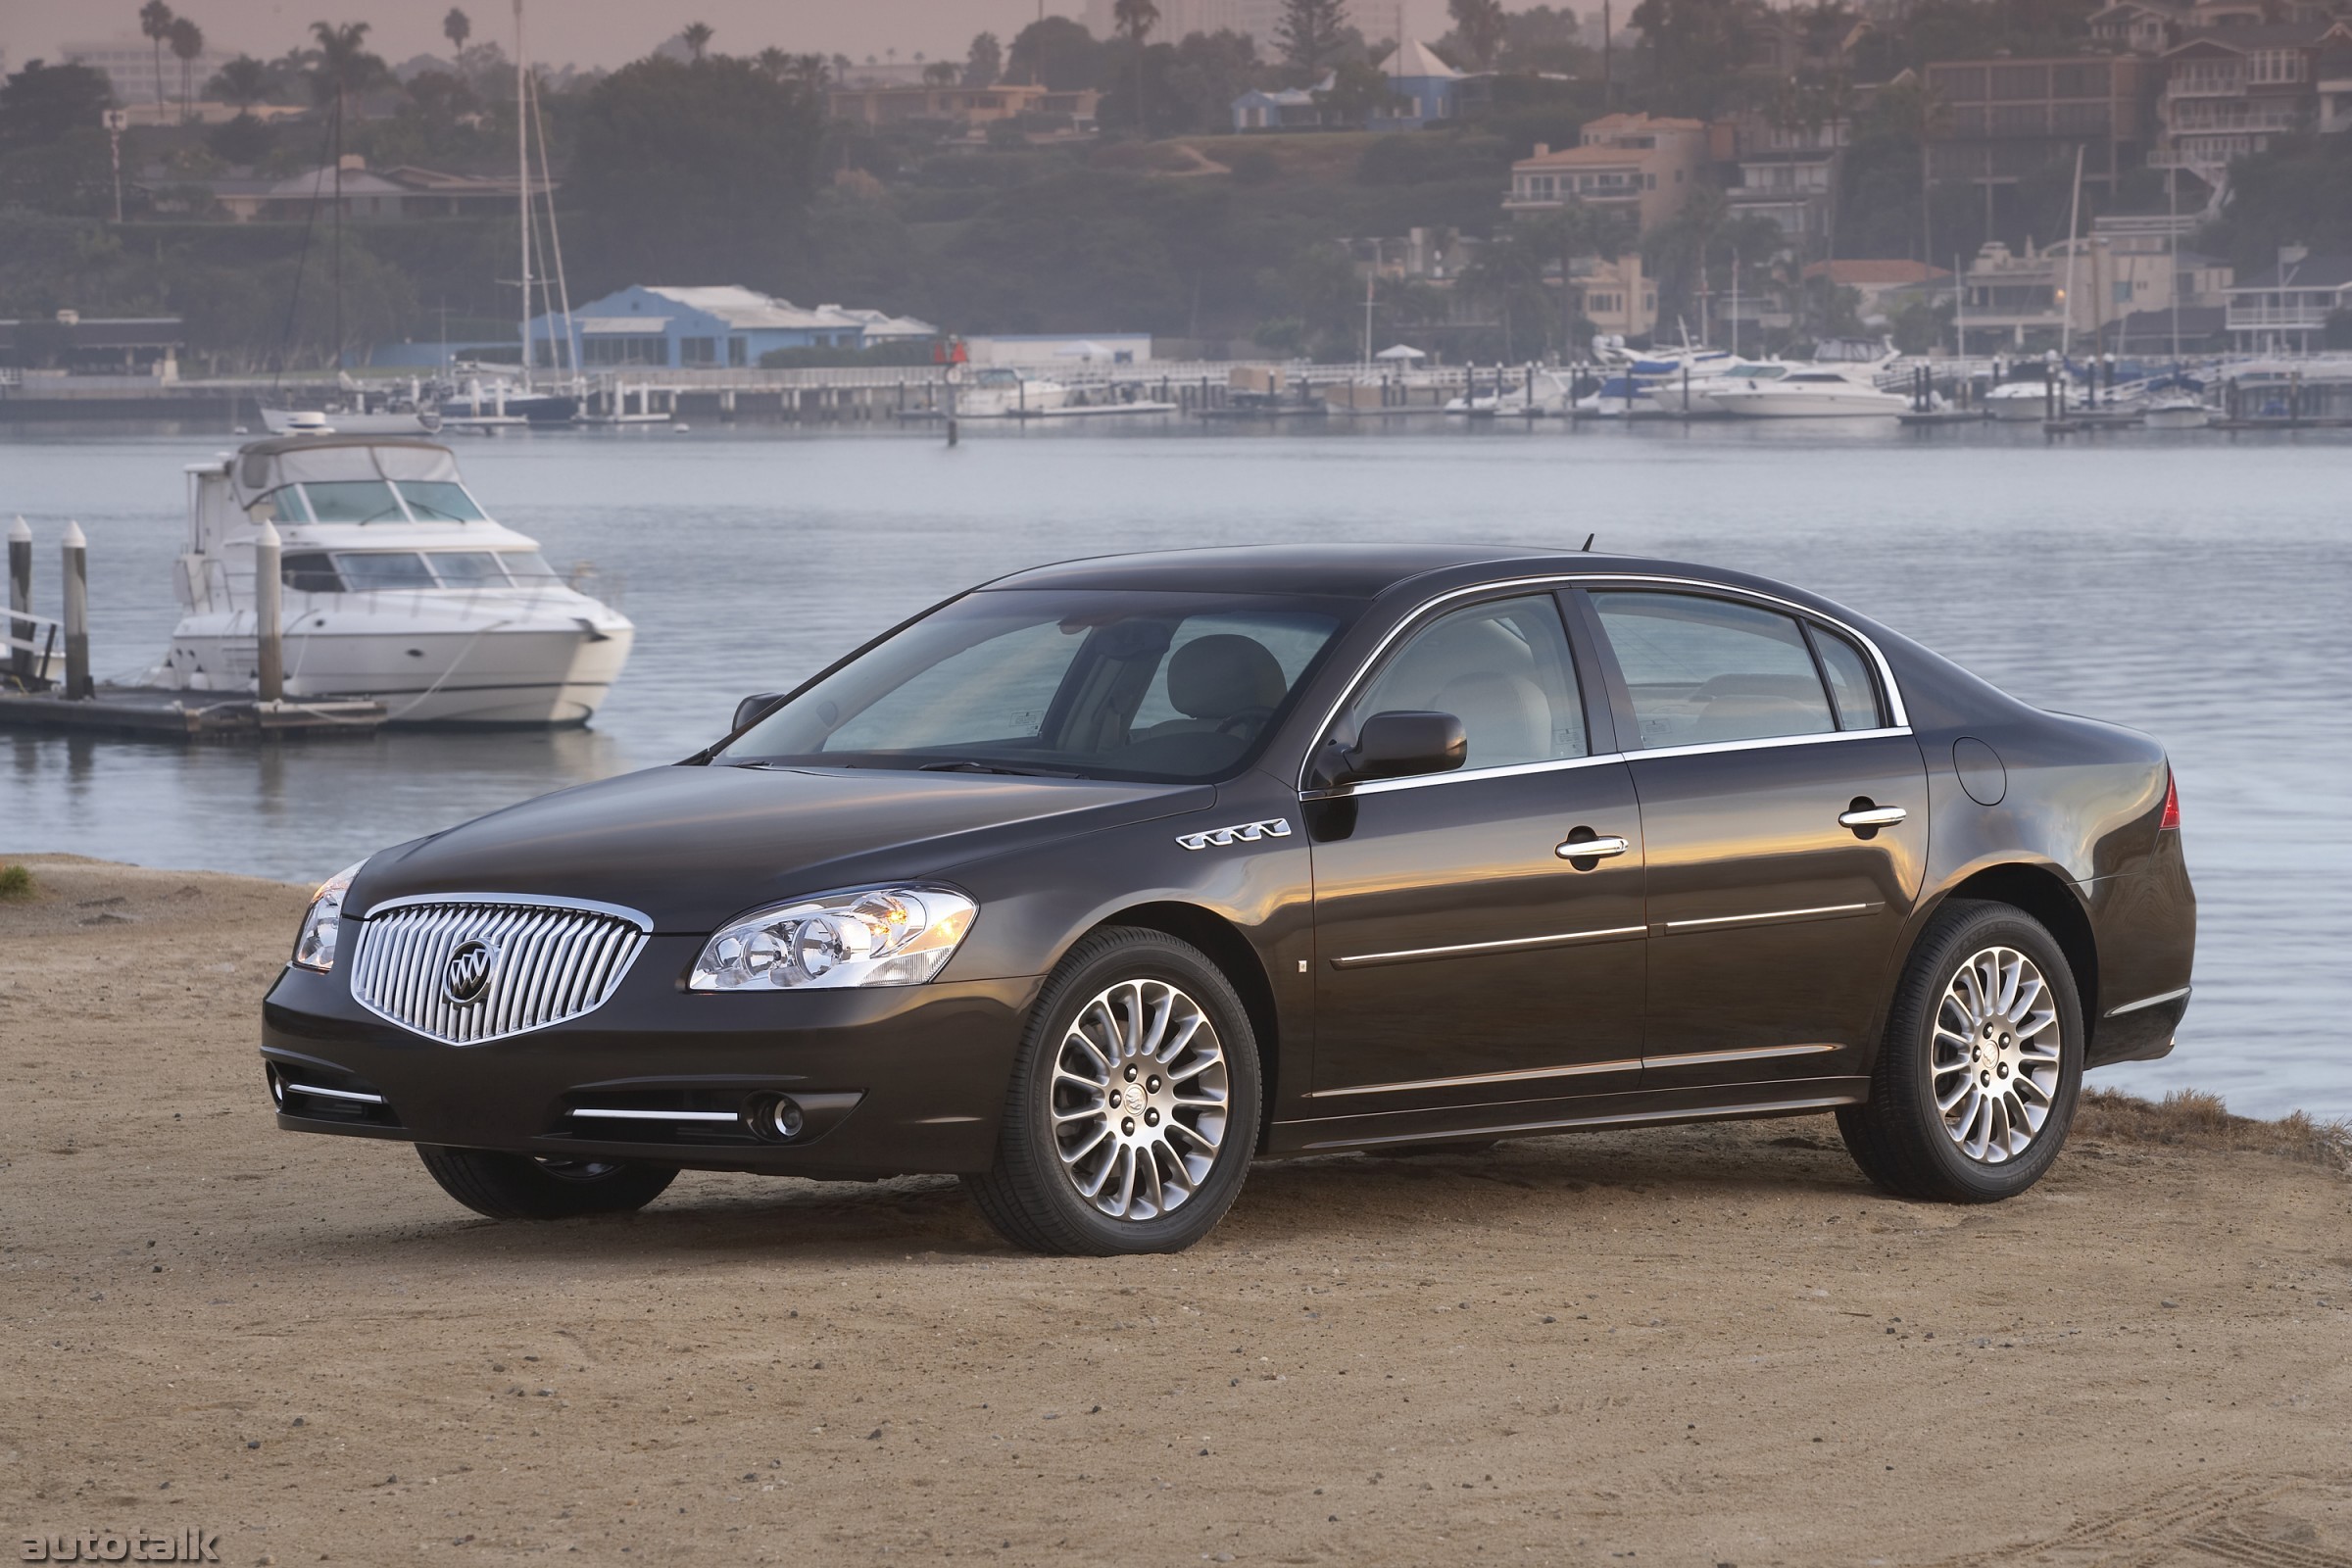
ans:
(1132, 1112)
(1976, 1078)
(525, 1187)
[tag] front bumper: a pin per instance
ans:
(890, 1081)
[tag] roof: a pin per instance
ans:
(1586, 156)
(2277, 35)
(1415, 59)
(2312, 272)
(1864, 273)
(107, 332)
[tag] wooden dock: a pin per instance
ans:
(156, 713)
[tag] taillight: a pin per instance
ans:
(2170, 822)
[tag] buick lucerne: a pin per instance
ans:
(1096, 883)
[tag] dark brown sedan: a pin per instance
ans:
(1094, 883)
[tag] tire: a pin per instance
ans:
(1988, 1146)
(1164, 1166)
(521, 1187)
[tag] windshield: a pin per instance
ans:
(439, 501)
(351, 501)
(1095, 684)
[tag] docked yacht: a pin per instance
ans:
(396, 587)
(355, 411)
(1001, 392)
(1817, 391)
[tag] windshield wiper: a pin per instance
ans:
(967, 765)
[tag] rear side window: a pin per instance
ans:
(1852, 688)
(1702, 670)
(1503, 668)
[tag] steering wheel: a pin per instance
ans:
(1255, 718)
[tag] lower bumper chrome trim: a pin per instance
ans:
(352, 1095)
(653, 1115)
(2156, 1001)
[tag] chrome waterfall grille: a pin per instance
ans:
(473, 967)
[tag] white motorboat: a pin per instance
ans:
(2024, 402)
(396, 587)
(2176, 404)
(1001, 392)
(1818, 391)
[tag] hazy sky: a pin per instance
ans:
(586, 33)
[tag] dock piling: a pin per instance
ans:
(77, 614)
(20, 599)
(269, 631)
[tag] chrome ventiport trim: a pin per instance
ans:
(603, 1114)
(1468, 1080)
(1898, 717)
(1716, 922)
(2156, 1001)
(1273, 827)
(1365, 961)
(293, 1088)
(1765, 1107)
(1702, 1059)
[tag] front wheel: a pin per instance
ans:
(1133, 1110)
(525, 1187)
(1976, 1081)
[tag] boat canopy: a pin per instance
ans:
(266, 466)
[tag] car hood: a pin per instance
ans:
(692, 846)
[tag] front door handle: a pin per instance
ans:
(1872, 817)
(1592, 849)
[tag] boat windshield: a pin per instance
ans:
(439, 501)
(1122, 684)
(352, 501)
(383, 569)
(467, 568)
(356, 571)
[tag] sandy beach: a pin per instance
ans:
(1689, 1345)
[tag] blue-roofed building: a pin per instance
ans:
(1426, 88)
(711, 327)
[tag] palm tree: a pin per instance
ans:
(243, 81)
(155, 21)
(456, 27)
(697, 38)
(187, 43)
(1134, 19)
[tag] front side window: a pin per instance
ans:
(1503, 668)
(309, 573)
(352, 501)
(365, 573)
(1702, 670)
(527, 566)
(1095, 683)
(467, 568)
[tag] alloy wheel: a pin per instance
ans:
(1995, 1057)
(1140, 1099)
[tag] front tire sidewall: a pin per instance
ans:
(1057, 1216)
(1960, 1177)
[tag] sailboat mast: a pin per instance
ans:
(522, 190)
(2171, 215)
(2074, 236)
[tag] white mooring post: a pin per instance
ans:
(77, 612)
(20, 599)
(268, 634)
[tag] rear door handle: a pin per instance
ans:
(1875, 817)
(1595, 849)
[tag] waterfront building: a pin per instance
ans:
(2005, 121)
(2284, 309)
(1427, 90)
(709, 329)
(892, 104)
(2228, 92)
(129, 63)
(1059, 347)
(73, 344)
(1886, 286)
(367, 195)
(1788, 172)
(1648, 166)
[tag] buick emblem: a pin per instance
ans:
(466, 975)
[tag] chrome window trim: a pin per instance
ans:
(637, 917)
(2156, 1001)
(1899, 718)
(1367, 961)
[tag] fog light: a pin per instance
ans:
(277, 1088)
(777, 1118)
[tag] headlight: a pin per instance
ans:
(874, 937)
(323, 922)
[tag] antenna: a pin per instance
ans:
(1589, 538)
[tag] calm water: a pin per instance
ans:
(2201, 588)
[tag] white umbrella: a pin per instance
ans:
(1087, 350)
(1401, 350)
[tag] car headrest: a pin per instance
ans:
(1217, 676)
(1507, 717)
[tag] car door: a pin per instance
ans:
(1462, 958)
(1785, 816)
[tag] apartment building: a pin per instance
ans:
(2006, 119)
(2228, 92)
(1646, 166)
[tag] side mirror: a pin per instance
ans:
(1402, 744)
(753, 708)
